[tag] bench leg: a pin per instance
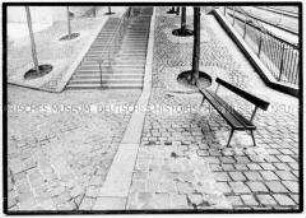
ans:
(253, 138)
(230, 137)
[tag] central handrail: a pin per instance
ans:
(110, 56)
(122, 23)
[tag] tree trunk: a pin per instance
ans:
(109, 10)
(183, 20)
(196, 46)
(33, 46)
(177, 10)
(94, 11)
(68, 22)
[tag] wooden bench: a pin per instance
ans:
(233, 118)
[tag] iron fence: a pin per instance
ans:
(282, 58)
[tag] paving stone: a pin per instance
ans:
(235, 200)
(222, 176)
(228, 167)
(294, 166)
(267, 166)
(286, 175)
(237, 176)
(254, 166)
(242, 159)
(253, 176)
(282, 166)
(276, 186)
(224, 187)
(292, 186)
(257, 186)
(249, 200)
(287, 151)
(295, 197)
(269, 175)
(284, 200)
(272, 159)
(241, 167)
(286, 158)
(228, 160)
(266, 199)
(239, 188)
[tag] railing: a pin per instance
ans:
(113, 44)
(282, 58)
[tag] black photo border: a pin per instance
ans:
(176, 211)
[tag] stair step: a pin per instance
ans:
(133, 61)
(108, 76)
(126, 70)
(127, 58)
(111, 71)
(109, 86)
(109, 81)
(135, 40)
(122, 67)
(135, 51)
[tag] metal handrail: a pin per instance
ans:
(114, 36)
(108, 49)
(281, 57)
(296, 46)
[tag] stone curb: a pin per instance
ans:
(261, 69)
(119, 177)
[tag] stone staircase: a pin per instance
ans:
(126, 70)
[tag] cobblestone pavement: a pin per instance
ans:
(183, 162)
(60, 146)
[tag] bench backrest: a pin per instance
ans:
(251, 98)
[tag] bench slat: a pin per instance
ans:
(232, 121)
(248, 124)
(251, 98)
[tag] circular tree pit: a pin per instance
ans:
(33, 74)
(204, 79)
(182, 33)
(69, 37)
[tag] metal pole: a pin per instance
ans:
(34, 53)
(109, 10)
(260, 42)
(245, 26)
(234, 16)
(224, 10)
(68, 22)
(281, 69)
